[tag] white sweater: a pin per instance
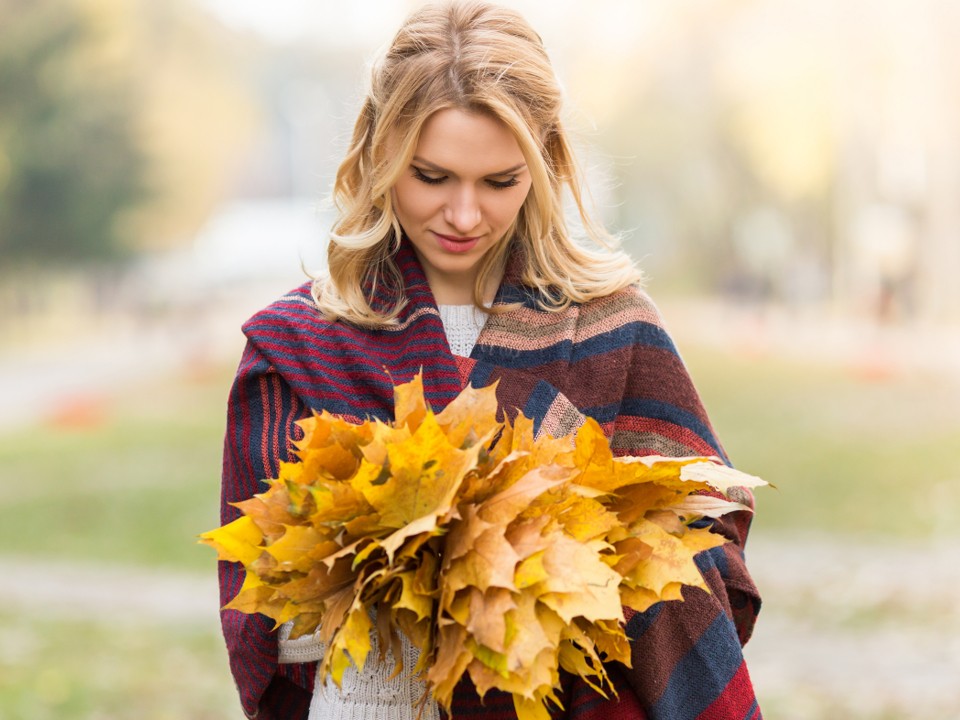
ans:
(368, 695)
(372, 694)
(462, 324)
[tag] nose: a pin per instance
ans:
(462, 211)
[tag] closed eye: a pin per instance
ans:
(428, 179)
(423, 177)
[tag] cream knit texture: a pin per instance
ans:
(462, 325)
(367, 695)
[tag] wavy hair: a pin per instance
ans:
(482, 58)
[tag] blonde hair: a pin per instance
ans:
(479, 58)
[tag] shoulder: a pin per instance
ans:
(623, 309)
(288, 313)
(287, 330)
(293, 336)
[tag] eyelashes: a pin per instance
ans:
(418, 174)
(495, 184)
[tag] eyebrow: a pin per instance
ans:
(438, 168)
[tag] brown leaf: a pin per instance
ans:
(488, 617)
(491, 562)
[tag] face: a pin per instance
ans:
(459, 196)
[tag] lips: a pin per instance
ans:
(456, 244)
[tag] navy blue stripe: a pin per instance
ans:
(603, 413)
(713, 661)
(508, 293)
(641, 622)
(480, 375)
(539, 403)
(624, 336)
(712, 558)
(654, 335)
(252, 362)
(522, 359)
(566, 351)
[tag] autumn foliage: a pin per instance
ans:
(499, 555)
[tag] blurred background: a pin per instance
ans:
(786, 171)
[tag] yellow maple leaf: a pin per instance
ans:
(491, 562)
(410, 407)
(671, 559)
(470, 417)
(295, 548)
(334, 461)
(351, 643)
(517, 497)
(337, 503)
(450, 660)
(424, 473)
(411, 599)
(257, 596)
(579, 583)
(238, 541)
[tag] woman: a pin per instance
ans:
(451, 253)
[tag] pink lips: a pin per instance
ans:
(454, 244)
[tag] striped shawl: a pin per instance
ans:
(609, 359)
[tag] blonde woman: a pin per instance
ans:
(451, 254)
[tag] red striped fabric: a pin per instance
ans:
(610, 359)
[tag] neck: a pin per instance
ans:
(462, 294)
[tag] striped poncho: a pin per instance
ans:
(610, 359)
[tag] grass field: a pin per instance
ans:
(71, 669)
(136, 482)
(850, 454)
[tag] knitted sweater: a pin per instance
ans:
(371, 694)
(462, 325)
(610, 359)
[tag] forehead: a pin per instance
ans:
(468, 143)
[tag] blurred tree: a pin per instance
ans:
(122, 126)
(69, 162)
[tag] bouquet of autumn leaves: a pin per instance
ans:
(498, 555)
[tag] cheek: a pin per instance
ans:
(412, 201)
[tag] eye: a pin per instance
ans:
(503, 184)
(423, 177)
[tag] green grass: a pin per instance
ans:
(135, 487)
(849, 453)
(60, 669)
